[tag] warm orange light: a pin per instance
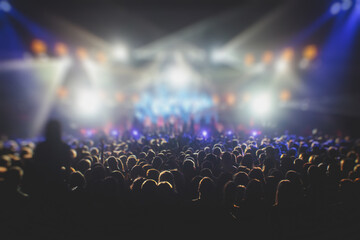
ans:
(81, 53)
(38, 46)
(230, 99)
(120, 97)
(215, 99)
(101, 57)
(249, 59)
(267, 57)
(310, 52)
(61, 49)
(62, 92)
(288, 54)
(285, 95)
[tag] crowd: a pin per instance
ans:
(172, 186)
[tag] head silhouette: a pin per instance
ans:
(53, 131)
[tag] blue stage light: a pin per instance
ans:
(204, 133)
(5, 6)
(135, 133)
(335, 8)
(346, 4)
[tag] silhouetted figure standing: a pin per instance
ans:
(51, 163)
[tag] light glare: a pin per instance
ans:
(335, 8)
(261, 105)
(88, 103)
(5, 6)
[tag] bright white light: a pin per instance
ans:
(218, 56)
(135, 132)
(178, 77)
(120, 53)
(281, 66)
(87, 103)
(204, 133)
(335, 8)
(346, 5)
(261, 105)
(114, 132)
(5, 6)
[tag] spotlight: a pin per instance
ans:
(229, 132)
(218, 56)
(135, 133)
(87, 103)
(89, 132)
(346, 5)
(178, 77)
(254, 133)
(281, 65)
(261, 104)
(114, 132)
(5, 6)
(204, 133)
(120, 53)
(335, 8)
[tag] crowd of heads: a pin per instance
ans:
(163, 184)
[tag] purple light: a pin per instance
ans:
(229, 132)
(204, 133)
(89, 133)
(135, 132)
(114, 132)
(254, 133)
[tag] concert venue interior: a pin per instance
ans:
(156, 62)
(223, 68)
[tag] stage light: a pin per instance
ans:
(254, 133)
(5, 6)
(38, 46)
(81, 53)
(114, 132)
(346, 5)
(204, 133)
(135, 133)
(285, 95)
(120, 97)
(261, 104)
(230, 99)
(267, 57)
(281, 66)
(62, 92)
(101, 58)
(61, 49)
(249, 59)
(216, 99)
(120, 53)
(87, 103)
(310, 52)
(335, 8)
(178, 77)
(218, 56)
(229, 132)
(89, 133)
(288, 54)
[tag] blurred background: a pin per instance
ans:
(244, 65)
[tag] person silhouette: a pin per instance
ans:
(52, 159)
